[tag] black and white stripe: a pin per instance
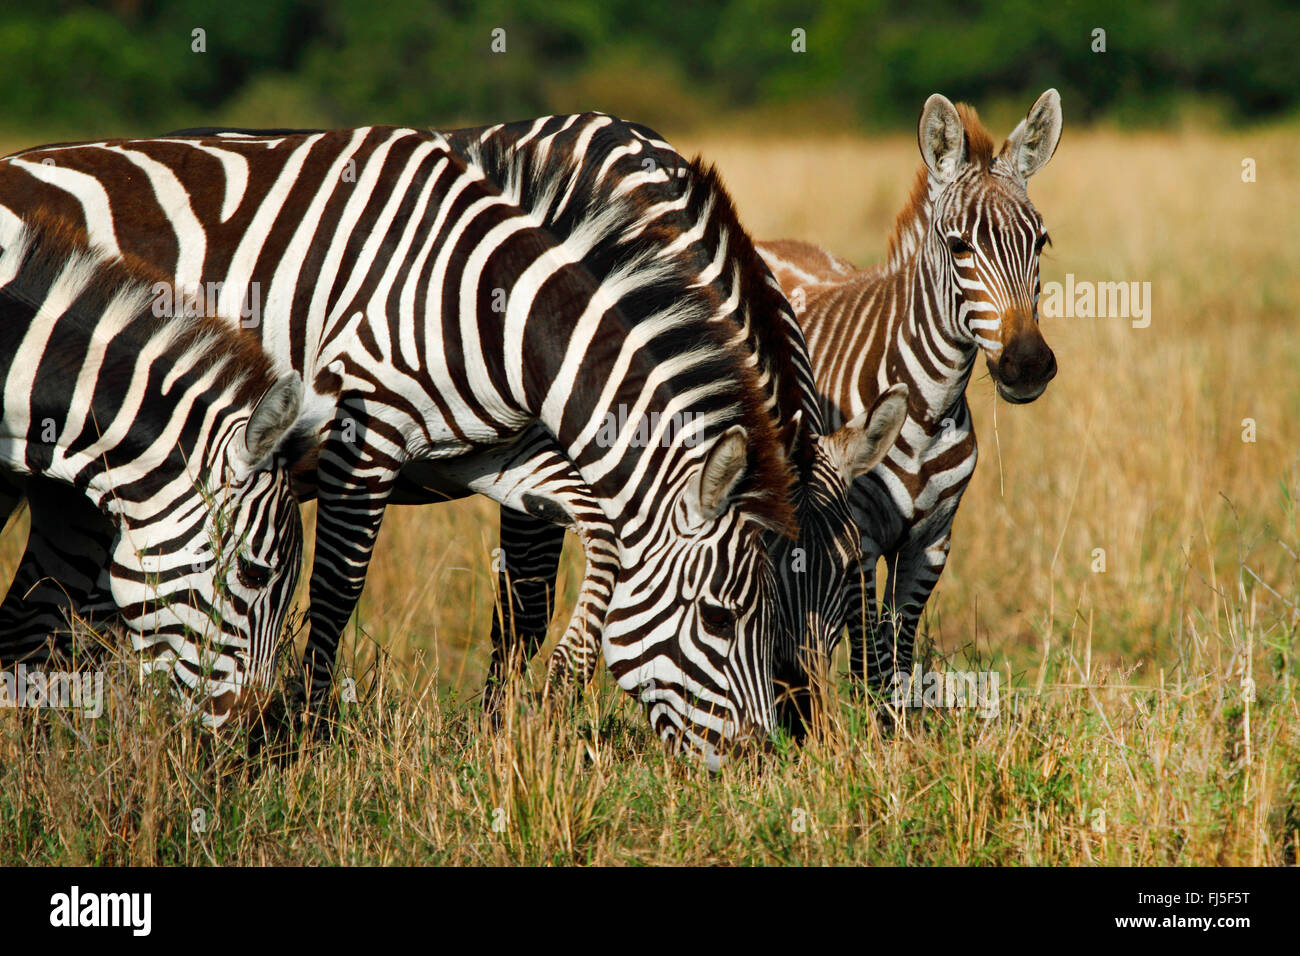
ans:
(961, 281)
(378, 255)
(607, 157)
(169, 442)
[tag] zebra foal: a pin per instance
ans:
(960, 281)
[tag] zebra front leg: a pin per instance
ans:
(913, 574)
(573, 662)
(863, 615)
(352, 498)
(61, 577)
(526, 572)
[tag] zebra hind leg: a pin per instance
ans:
(527, 566)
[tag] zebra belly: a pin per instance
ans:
(528, 474)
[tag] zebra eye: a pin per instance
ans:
(252, 575)
(718, 620)
(959, 246)
(1043, 240)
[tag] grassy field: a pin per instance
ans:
(1148, 713)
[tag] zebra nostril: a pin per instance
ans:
(1050, 372)
(1027, 362)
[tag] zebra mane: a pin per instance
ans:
(772, 332)
(909, 228)
(619, 234)
(49, 253)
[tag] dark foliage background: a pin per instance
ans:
(131, 64)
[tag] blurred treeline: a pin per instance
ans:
(131, 65)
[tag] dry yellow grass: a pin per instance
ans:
(1136, 448)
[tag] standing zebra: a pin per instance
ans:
(961, 280)
(379, 257)
(179, 438)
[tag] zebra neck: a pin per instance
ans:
(935, 357)
(119, 484)
(914, 294)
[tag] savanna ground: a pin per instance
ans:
(1148, 710)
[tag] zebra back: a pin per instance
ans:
(677, 210)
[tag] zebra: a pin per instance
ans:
(960, 280)
(787, 343)
(176, 440)
(615, 157)
(378, 253)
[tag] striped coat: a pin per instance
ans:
(174, 440)
(960, 281)
(768, 329)
(388, 253)
(607, 157)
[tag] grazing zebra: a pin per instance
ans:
(961, 280)
(175, 439)
(713, 252)
(379, 259)
(592, 159)
(606, 156)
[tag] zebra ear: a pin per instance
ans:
(723, 467)
(273, 416)
(861, 444)
(1032, 143)
(942, 138)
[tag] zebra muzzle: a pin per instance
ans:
(1024, 367)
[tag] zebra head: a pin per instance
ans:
(813, 570)
(985, 235)
(203, 584)
(690, 631)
